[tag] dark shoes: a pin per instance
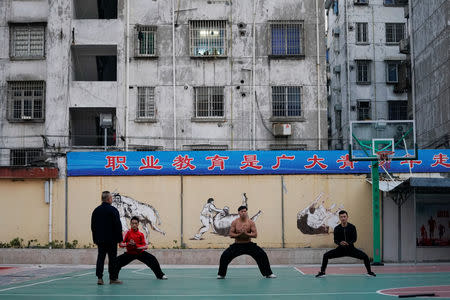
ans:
(320, 274)
(100, 281)
(115, 281)
(371, 274)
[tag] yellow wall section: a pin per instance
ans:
(25, 214)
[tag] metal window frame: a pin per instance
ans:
(22, 87)
(13, 28)
(394, 109)
(362, 33)
(364, 111)
(397, 64)
(395, 38)
(210, 103)
(286, 101)
(146, 29)
(301, 25)
(197, 26)
(150, 104)
(361, 63)
(29, 155)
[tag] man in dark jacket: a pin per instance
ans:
(106, 233)
(345, 237)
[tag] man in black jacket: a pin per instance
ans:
(345, 237)
(106, 233)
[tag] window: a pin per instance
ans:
(362, 71)
(145, 103)
(85, 129)
(336, 7)
(24, 157)
(392, 71)
(206, 147)
(208, 38)
(26, 100)
(100, 9)
(398, 110)
(361, 2)
(94, 62)
(145, 41)
(395, 32)
(284, 146)
(361, 33)
(395, 2)
(27, 41)
(209, 102)
(363, 110)
(286, 101)
(286, 38)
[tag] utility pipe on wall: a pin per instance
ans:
(173, 79)
(253, 79)
(318, 74)
(50, 214)
(127, 71)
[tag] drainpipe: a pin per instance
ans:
(347, 63)
(50, 214)
(374, 67)
(253, 79)
(173, 79)
(127, 71)
(318, 74)
(411, 47)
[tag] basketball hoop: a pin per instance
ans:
(384, 159)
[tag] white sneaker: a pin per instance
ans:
(271, 276)
(164, 277)
(220, 277)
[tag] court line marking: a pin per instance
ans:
(298, 270)
(190, 295)
(403, 287)
(42, 282)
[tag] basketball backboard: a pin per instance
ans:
(367, 138)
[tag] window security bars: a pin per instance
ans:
(209, 102)
(145, 103)
(27, 41)
(24, 157)
(286, 101)
(26, 100)
(286, 38)
(145, 41)
(208, 38)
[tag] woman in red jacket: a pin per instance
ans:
(134, 241)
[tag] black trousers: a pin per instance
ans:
(144, 257)
(111, 250)
(251, 249)
(342, 251)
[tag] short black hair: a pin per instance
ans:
(105, 196)
(242, 207)
(134, 218)
(341, 212)
(210, 200)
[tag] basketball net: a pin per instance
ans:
(384, 159)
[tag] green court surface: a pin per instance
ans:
(240, 283)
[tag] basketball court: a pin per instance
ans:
(242, 282)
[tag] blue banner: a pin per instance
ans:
(241, 163)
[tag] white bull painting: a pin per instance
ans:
(128, 208)
(219, 219)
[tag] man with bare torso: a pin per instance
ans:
(243, 230)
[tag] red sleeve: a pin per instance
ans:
(126, 237)
(141, 242)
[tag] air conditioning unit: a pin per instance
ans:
(404, 46)
(337, 69)
(281, 129)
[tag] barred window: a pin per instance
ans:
(361, 33)
(27, 41)
(395, 2)
(398, 110)
(208, 38)
(146, 103)
(392, 71)
(395, 32)
(145, 41)
(286, 101)
(26, 100)
(24, 157)
(286, 38)
(206, 147)
(362, 71)
(363, 110)
(209, 102)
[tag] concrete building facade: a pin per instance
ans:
(429, 40)
(364, 65)
(248, 75)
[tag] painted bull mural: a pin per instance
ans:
(147, 214)
(219, 219)
(316, 219)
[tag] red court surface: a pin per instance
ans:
(387, 269)
(441, 291)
